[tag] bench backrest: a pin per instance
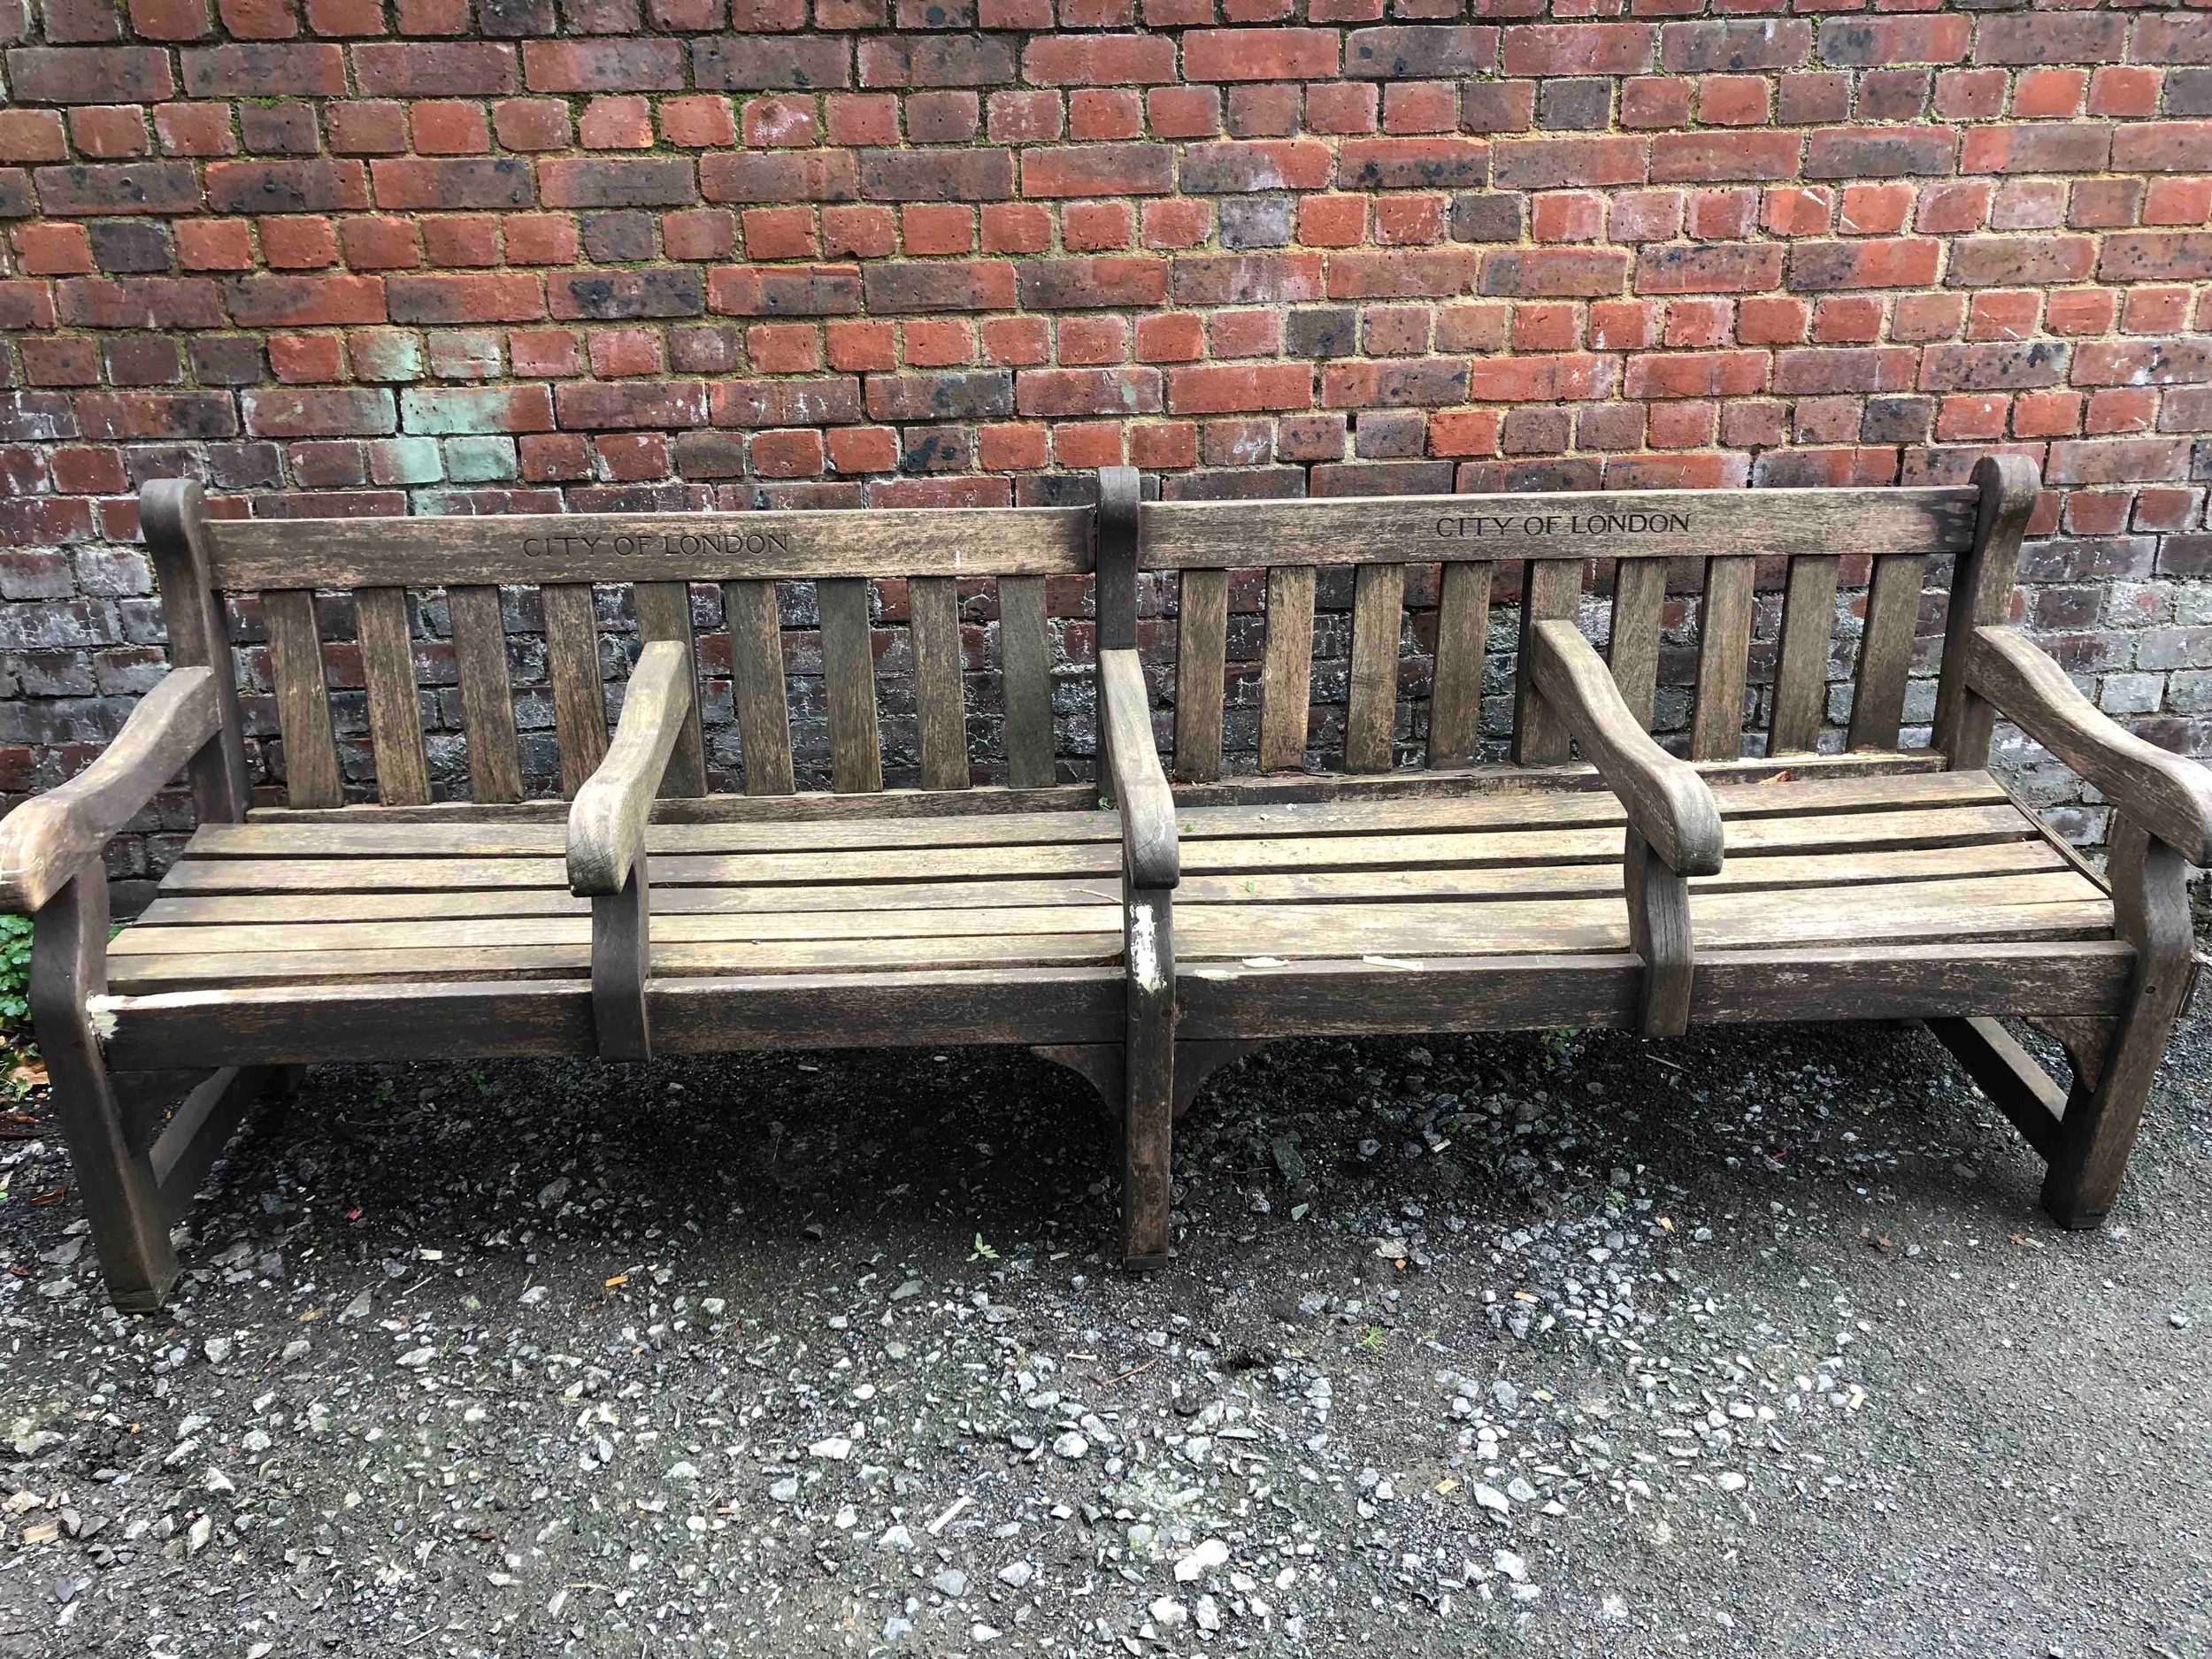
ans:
(990, 562)
(1409, 673)
(1453, 556)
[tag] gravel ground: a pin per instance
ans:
(1750, 1342)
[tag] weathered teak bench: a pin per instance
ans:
(1142, 941)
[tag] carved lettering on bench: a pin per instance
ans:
(1486, 527)
(654, 543)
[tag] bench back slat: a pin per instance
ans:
(1724, 656)
(1551, 591)
(1800, 674)
(1892, 615)
(1286, 667)
(303, 698)
(1202, 673)
(488, 698)
(1370, 710)
(571, 673)
(1463, 638)
(1640, 606)
(663, 612)
(761, 707)
(941, 704)
(256, 554)
(387, 671)
(1025, 648)
(849, 673)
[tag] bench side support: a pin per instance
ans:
(2151, 901)
(1659, 931)
(1114, 592)
(1148, 1134)
(122, 1196)
(172, 515)
(1981, 594)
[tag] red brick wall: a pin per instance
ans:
(347, 257)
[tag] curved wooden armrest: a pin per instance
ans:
(1668, 804)
(47, 841)
(2159, 791)
(1148, 806)
(606, 822)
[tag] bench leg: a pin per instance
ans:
(2151, 899)
(1147, 1136)
(114, 1173)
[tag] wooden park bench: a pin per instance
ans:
(1139, 930)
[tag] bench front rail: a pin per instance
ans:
(1266, 859)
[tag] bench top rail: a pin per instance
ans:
(1583, 525)
(254, 554)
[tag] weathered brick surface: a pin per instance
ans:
(432, 257)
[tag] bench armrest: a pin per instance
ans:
(1150, 854)
(1667, 803)
(2160, 792)
(48, 841)
(606, 823)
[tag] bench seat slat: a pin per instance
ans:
(389, 842)
(546, 893)
(1935, 826)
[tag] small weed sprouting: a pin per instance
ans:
(15, 971)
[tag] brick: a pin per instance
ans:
(1873, 152)
(768, 291)
(1871, 42)
(1700, 158)
(897, 286)
(286, 186)
(2083, 147)
(412, 182)
(629, 405)
(1551, 163)
(138, 187)
(1099, 60)
(1249, 279)
(1225, 388)
(1262, 54)
(604, 66)
(826, 175)
(1569, 49)
(2041, 37)
(2163, 147)
(1413, 164)
(951, 175)
(1240, 167)
(978, 394)
(1872, 262)
(442, 69)
(292, 413)
(829, 401)
(933, 60)
(1423, 51)
(2037, 261)
(621, 294)
(89, 74)
(1709, 268)
(1995, 367)
(1081, 169)
(260, 71)
(516, 297)
(1578, 272)
(658, 182)
(1105, 281)
(2157, 255)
